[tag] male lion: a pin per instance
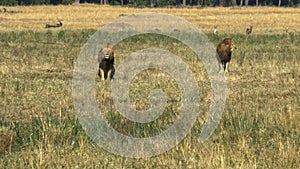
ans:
(106, 62)
(224, 50)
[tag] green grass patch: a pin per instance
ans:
(39, 127)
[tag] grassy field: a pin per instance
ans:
(260, 127)
(265, 20)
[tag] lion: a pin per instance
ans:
(106, 62)
(224, 49)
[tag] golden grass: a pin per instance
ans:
(39, 128)
(265, 20)
(6, 140)
(259, 127)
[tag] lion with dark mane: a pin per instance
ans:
(224, 50)
(106, 60)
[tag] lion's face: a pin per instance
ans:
(108, 52)
(229, 43)
(232, 47)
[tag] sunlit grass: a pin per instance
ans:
(265, 20)
(259, 127)
(39, 127)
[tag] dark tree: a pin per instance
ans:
(216, 3)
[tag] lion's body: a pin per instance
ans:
(106, 63)
(224, 50)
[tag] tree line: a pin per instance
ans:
(158, 3)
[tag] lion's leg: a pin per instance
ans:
(105, 75)
(227, 67)
(220, 67)
(109, 73)
(224, 66)
(112, 72)
(101, 74)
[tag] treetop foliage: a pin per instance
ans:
(158, 3)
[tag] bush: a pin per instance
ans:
(9, 2)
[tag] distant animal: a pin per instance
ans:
(249, 30)
(290, 31)
(59, 24)
(215, 30)
(4, 10)
(286, 29)
(106, 62)
(223, 52)
(120, 15)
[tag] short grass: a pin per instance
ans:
(39, 127)
(265, 20)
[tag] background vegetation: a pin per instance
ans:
(158, 3)
(259, 128)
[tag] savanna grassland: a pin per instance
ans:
(260, 126)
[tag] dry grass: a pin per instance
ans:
(6, 140)
(259, 127)
(265, 20)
